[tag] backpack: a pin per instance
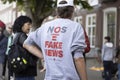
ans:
(18, 57)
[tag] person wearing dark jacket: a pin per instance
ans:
(8, 34)
(3, 47)
(22, 26)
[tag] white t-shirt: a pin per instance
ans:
(60, 40)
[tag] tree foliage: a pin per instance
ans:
(38, 10)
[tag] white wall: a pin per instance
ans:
(8, 13)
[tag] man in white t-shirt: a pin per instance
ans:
(62, 43)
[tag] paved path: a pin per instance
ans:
(92, 73)
(93, 70)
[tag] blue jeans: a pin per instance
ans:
(119, 71)
(25, 78)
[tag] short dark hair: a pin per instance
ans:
(66, 11)
(107, 38)
(19, 22)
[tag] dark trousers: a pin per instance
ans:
(10, 73)
(4, 66)
(25, 78)
(107, 69)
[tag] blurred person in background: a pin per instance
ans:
(3, 48)
(107, 57)
(22, 26)
(8, 33)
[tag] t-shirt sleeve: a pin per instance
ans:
(78, 44)
(78, 54)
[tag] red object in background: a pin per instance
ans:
(2, 25)
(87, 49)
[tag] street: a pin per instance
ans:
(93, 71)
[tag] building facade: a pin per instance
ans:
(9, 12)
(103, 20)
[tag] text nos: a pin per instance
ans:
(57, 29)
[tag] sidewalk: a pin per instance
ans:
(93, 70)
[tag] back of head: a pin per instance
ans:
(107, 38)
(19, 22)
(65, 8)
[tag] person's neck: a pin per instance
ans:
(63, 18)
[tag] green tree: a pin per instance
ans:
(38, 10)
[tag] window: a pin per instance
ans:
(109, 23)
(78, 19)
(91, 28)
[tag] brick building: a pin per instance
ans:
(102, 20)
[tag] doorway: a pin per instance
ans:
(109, 24)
